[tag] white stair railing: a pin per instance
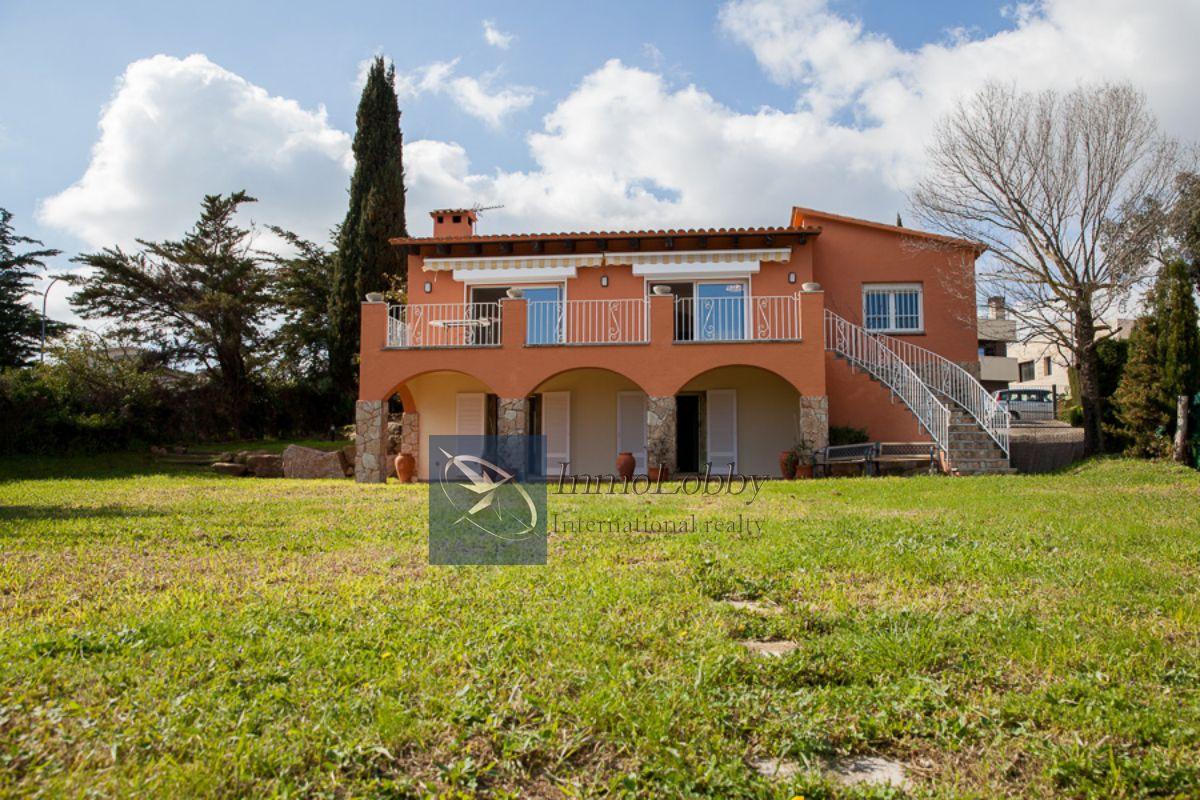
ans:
(944, 376)
(864, 349)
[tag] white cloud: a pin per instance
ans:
(627, 148)
(177, 129)
(475, 96)
(495, 37)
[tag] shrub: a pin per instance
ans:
(844, 434)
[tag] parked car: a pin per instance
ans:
(1027, 404)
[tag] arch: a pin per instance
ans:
(557, 373)
(404, 387)
(738, 365)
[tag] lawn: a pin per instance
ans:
(176, 633)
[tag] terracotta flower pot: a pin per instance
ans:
(787, 464)
(659, 473)
(625, 465)
(804, 471)
(405, 464)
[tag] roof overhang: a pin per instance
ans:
(660, 264)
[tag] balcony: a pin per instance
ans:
(551, 323)
(430, 325)
(999, 369)
(737, 319)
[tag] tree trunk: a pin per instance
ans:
(1089, 383)
(1181, 429)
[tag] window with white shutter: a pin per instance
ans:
(721, 412)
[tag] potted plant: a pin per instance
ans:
(658, 457)
(804, 461)
(797, 461)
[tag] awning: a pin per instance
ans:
(699, 256)
(513, 262)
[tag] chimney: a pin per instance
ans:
(996, 307)
(454, 222)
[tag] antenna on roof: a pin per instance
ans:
(479, 208)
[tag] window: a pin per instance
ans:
(894, 308)
(1047, 365)
(1025, 371)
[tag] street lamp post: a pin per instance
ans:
(46, 296)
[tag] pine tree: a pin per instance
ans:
(365, 260)
(203, 299)
(1178, 331)
(20, 322)
(1140, 412)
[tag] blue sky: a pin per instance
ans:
(629, 114)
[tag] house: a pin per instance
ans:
(1042, 364)
(997, 333)
(684, 347)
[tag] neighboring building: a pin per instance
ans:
(685, 347)
(1043, 365)
(997, 369)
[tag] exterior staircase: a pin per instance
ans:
(966, 423)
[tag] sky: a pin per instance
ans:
(116, 118)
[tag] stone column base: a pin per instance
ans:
(814, 420)
(370, 441)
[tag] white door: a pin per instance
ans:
(631, 428)
(721, 412)
(470, 412)
(556, 427)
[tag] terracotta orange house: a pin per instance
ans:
(683, 347)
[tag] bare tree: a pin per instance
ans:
(1051, 183)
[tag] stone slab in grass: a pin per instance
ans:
(763, 609)
(775, 768)
(849, 771)
(777, 648)
(229, 468)
(868, 770)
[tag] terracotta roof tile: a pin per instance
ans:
(648, 234)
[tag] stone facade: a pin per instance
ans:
(660, 431)
(814, 420)
(512, 420)
(511, 416)
(410, 433)
(371, 441)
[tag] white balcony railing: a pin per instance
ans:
(444, 325)
(576, 322)
(735, 319)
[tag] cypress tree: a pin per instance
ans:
(1178, 331)
(1141, 416)
(365, 260)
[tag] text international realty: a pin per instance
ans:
(687, 524)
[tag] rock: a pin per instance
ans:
(868, 770)
(155, 450)
(229, 468)
(241, 456)
(348, 454)
(265, 465)
(776, 649)
(305, 462)
(775, 768)
(227, 457)
(179, 449)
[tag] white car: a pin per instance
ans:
(1027, 404)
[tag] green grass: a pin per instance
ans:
(182, 634)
